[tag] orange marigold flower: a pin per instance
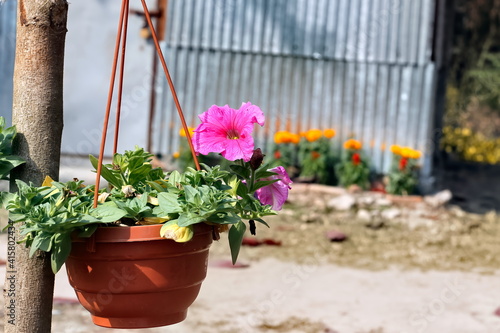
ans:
(313, 135)
(395, 149)
(183, 133)
(279, 137)
(303, 134)
(277, 154)
(315, 155)
(176, 154)
(329, 133)
(352, 144)
(295, 138)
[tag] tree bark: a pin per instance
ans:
(38, 116)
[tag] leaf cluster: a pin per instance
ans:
(350, 173)
(7, 160)
(51, 215)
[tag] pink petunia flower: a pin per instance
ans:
(276, 193)
(228, 131)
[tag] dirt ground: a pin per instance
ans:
(402, 268)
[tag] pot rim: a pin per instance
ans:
(138, 233)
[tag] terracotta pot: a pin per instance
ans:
(129, 277)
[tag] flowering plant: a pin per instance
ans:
(403, 174)
(316, 156)
(139, 194)
(285, 151)
(353, 168)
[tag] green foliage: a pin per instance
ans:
(131, 168)
(353, 170)
(138, 194)
(316, 160)
(51, 215)
(7, 160)
(403, 177)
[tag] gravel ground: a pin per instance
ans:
(402, 268)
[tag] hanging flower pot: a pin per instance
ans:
(130, 277)
(146, 268)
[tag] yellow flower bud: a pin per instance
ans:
(176, 233)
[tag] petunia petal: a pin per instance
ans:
(276, 193)
(227, 131)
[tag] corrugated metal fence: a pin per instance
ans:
(362, 67)
(7, 45)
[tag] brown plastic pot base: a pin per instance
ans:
(141, 322)
(132, 278)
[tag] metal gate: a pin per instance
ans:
(362, 67)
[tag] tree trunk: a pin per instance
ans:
(38, 115)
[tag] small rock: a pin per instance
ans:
(343, 202)
(364, 215)
(390, 214)
(377, 224)
(497, 312)
(417, 222)
(311, 217)
(336, 236)
(366, 201)
(383, 202)
(354, 189)
(438, 199)
(319, 203)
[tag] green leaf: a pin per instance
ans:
(108, 213)
(106, 173)
(242, 190)
(174, 178)
(192, 195)
(185, 220)
(240, 171)
(236, 233)
(168, 203)
(60, 251)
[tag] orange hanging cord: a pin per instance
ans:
(122, 37)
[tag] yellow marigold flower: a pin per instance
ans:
(329, 133)
(313, 135)
(415, 154)
(183, 133)
(295, 138)
(406, 152)
(352, 144)
(303, 134)
(176, 154)
(395, 149)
